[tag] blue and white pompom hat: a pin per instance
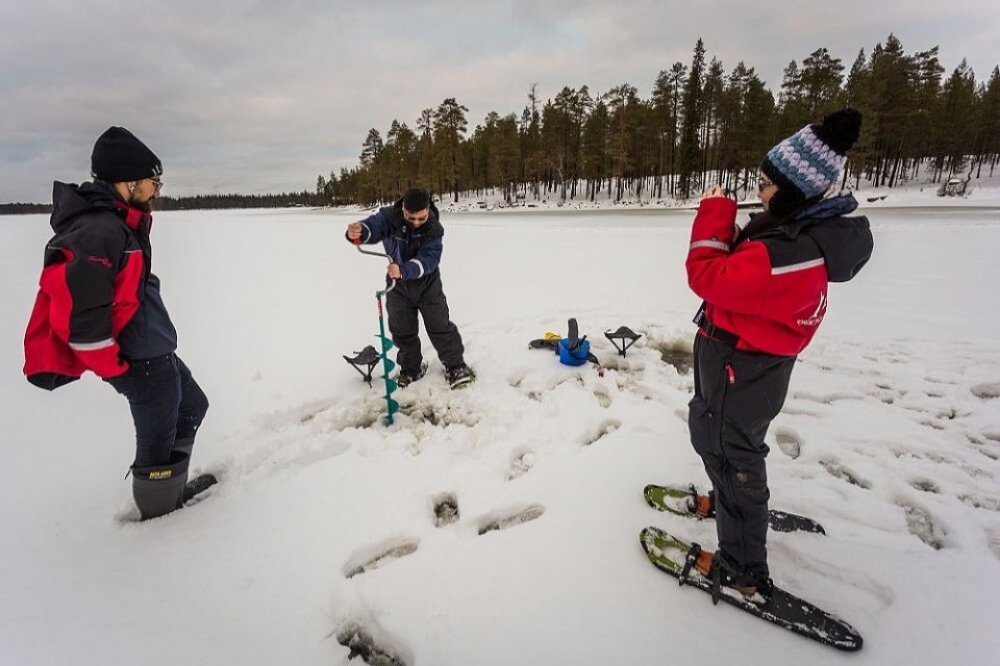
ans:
(805, 165)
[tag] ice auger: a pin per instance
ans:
(369, 356)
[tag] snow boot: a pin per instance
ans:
(718, 568)
(748, 581)
(184, 445)
(197, 486)
(159, 489)
(460, 375)
(200, 483)
(407, 377)
(702, 505)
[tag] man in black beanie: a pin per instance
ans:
(765, 292)
(99, 308)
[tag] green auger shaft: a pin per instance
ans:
(387, 365)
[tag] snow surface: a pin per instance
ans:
(324, 521)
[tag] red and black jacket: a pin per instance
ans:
(92, 283)
(768, 290)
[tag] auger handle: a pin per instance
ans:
(357, 243)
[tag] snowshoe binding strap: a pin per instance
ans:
(702, 506)
(716, 580)
(624, 333)
(689, 561)
(368, 358)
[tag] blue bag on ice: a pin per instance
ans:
(570, 355)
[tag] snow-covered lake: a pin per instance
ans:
(890, 438)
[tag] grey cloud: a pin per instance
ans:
(265, 96)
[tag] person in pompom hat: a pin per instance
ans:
(765, 291)
(99, 308)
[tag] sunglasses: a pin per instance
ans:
(157, 182)
(414, 218)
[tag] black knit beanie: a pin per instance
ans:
(805, 165)
(416, 199)
(120, 157)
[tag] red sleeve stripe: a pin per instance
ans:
(91, 346)
(715, 245)
(794, 268)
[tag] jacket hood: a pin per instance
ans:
(846, 242)
(831, 207)
(432, 227)
(69, 201)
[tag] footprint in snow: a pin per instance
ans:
(445, 509)
(510, 518)
(521, 462)
(920, 524)
(798, 411)
(993, 539)
(976, 502)
(841, 472)
(885, 395)
(372, 557)
(624, 366)
(603, 396)
(825, 399)
(788, 442)
(932, 424)
(925, 485)
(604, 429)
(987, 391)
(361, 642)
(992, 455)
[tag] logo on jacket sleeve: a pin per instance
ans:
(103, 261)
(817, 316)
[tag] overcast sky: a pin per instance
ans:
(263, 96)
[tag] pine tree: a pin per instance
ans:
(959, 97)
(692, 106)
(449, 126)
(595, 140)
(621, 103)
(370, 153)
(712, 99)
(988, 137)
(821, 79)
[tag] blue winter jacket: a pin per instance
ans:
(417, 252)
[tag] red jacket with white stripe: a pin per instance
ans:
(94, 274)
(770, 287)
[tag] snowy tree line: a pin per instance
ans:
(698, 120)
(198, 202)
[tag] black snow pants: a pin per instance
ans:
(737, 395)
(426, 296)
